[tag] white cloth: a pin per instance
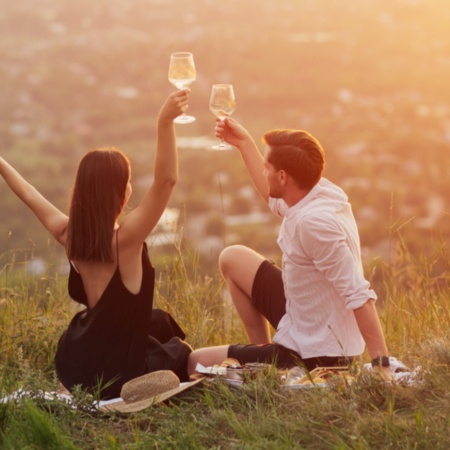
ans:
(322, 274)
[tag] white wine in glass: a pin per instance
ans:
(222, 104)
(182, 74)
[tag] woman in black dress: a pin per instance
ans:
(118, 336)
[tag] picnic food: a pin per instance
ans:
(320, 375)
(229, 362)
(246, 371)
(293, 377)
(310, 381)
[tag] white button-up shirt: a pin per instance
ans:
(322, 274)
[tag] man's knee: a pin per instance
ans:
(239, 264)
(230, 257)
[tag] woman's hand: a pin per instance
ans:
(175, 104)
(140, 222)
(51, 217)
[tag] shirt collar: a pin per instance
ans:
(306, 199)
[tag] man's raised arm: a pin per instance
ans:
(235, 134)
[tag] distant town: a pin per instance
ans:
(371, 84)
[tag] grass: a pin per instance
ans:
(369, 414)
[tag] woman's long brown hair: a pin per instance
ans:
(98, 197)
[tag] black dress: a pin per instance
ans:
(120, 338)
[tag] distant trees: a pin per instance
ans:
(369, 81)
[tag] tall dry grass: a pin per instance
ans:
(369, 414)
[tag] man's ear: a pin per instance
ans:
(283, 176)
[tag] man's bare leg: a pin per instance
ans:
(207, 356)
(239, 265)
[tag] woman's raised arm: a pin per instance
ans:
(50, 216)
(138, 224)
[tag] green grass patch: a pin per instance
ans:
(368, 414)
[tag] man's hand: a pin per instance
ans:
(385, 373)
(232, 132)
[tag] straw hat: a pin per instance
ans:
(146, 390)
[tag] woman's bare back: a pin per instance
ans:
(97, 275)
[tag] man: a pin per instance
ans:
(319, 302)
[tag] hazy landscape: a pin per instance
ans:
(368, 78)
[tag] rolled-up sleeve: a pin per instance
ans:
(326, 244)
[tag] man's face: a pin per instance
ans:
(272, 176)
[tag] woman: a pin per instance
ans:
(118, 336)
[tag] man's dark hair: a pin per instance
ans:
(298, 153)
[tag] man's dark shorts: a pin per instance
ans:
(268, 297)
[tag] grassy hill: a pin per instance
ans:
(367, 414)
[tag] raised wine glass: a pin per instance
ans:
(181, 75)
(222, 104)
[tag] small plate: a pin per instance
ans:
(297, 387)
(235, 383)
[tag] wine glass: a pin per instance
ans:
(181, 75)
(222, 104)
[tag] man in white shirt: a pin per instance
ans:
(319, 302)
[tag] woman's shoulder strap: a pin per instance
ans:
(117, 246)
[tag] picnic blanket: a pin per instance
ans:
(52, 396)
(400, 372)
(297, 377)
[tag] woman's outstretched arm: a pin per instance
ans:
(138, 224)
(51, 217)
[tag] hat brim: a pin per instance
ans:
(122, 406)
